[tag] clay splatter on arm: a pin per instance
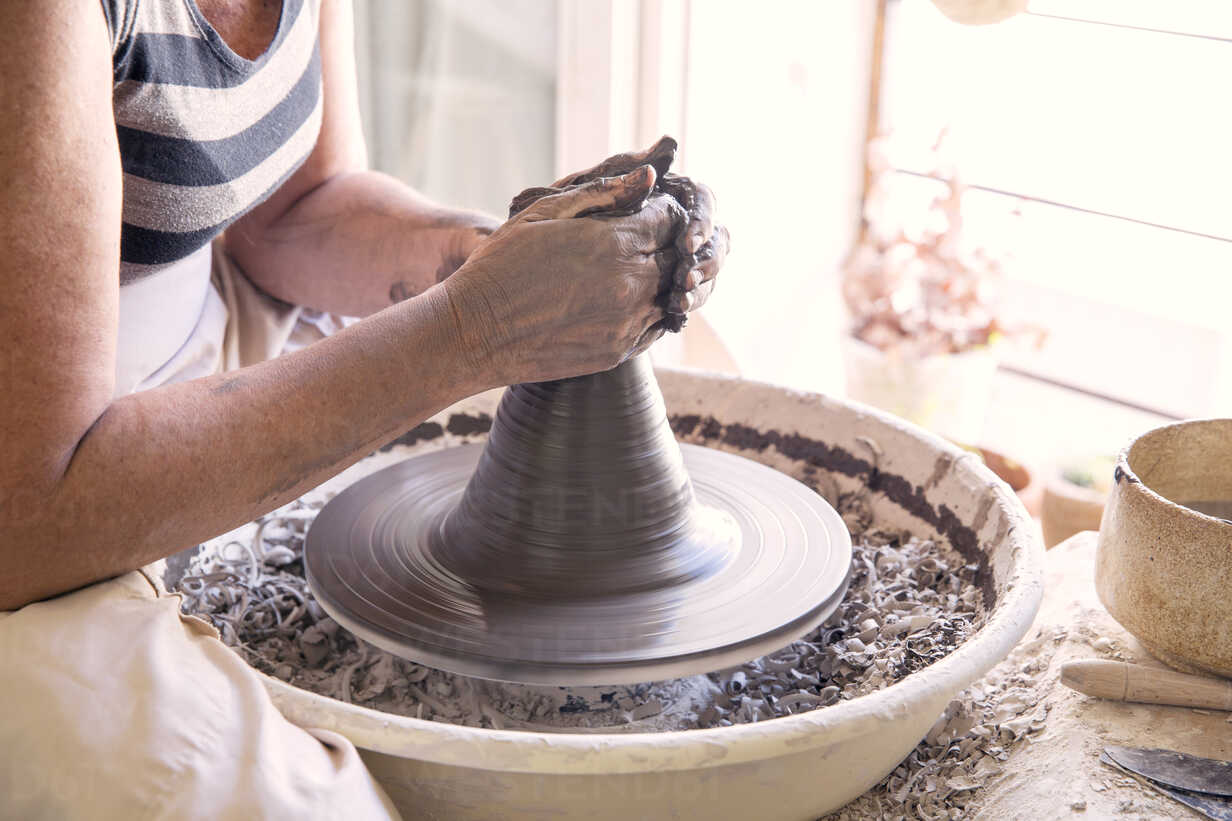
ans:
(448, 265)
(400, 291)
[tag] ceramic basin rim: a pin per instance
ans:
(1137, 485)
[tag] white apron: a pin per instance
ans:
(115, 706)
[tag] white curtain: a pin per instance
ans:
(459, 98)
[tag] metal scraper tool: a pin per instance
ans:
(1202, 784)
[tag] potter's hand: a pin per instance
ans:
(659, 156)
(567, 286)
(704, 237)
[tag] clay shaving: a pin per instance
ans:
(968, 745)
(911, 601)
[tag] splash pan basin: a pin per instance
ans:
(796, 767)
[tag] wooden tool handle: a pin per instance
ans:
(1149, 685)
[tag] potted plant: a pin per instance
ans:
(921, 296)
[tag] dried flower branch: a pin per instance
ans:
(926, 288)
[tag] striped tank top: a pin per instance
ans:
(204, 135)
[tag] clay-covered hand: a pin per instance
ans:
(701, 247)
(567, 286)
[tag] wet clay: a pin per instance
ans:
(579, 546)
(581, 490)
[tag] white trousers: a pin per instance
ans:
(114, 706)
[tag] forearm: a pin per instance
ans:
(355, 244)
(168, 468)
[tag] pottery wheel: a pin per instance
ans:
(371, 565)
(582, 545)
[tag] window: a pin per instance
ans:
(459, 99)
(1106, 125)
(1102, 123)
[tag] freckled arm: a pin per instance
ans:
(91, 487)
(356, 244)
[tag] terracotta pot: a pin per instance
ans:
(1164, 570)
(798, 767)
(1018, 476)
(1068, 509)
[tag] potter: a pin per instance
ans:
(136, 132)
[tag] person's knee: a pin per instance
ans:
(117, 706)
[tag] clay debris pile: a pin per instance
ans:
(911, 602)
(969, 744)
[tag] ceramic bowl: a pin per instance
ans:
(796, 767)
(1163, 569)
